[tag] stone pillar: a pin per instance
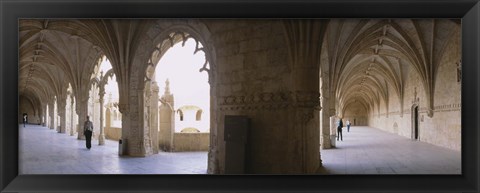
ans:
(82, 115)
(124, 109)
(325, 124)
(62, 115)
(325, 101)
(72, 128)
(305, 39)
(333, 125)
(146, 130)
(44, 114)
(101, 137)
(51, 115)
(61, 105)
(306, 126)
(154, 132)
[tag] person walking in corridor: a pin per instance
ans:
(87, 131)
(24, 119)
(348, 125)
(339, 129)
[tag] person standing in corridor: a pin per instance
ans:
(339, 129)
(348, 125)
(24, 119)
(87, 131)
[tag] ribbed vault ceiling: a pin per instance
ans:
(366, 56)
(370, 56)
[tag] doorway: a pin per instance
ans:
(415, 122)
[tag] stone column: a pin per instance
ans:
(154, 117)
(124, 109)
(71, 117)
(62, 114)
(305, 38)
(325, 101)
(325, 124)
(61, 105)
(101, 137)
(333, 125)
(147, 130)
(82, 115)
(44, 116)
(51, 114)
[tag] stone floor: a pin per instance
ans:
(44, 151)
(366, 150)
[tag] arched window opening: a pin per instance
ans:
(183, 66)
(103, 96)
(180, 115)
(198, 116)
(178, 75)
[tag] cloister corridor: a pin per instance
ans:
(364, 150)
(44, 151)
(272, 94)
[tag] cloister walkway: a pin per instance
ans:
(364, 150)
(44, 151)
(367, 150)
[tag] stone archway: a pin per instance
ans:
(141, 82)
(165, 115)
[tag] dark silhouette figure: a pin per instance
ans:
(348, 125)
(87, 131)
(339, 130)
(24, 119)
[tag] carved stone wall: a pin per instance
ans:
(255, 79)
(444, 128)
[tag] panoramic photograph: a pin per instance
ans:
(240, 96)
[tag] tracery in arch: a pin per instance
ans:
(104, 93)
(187, 81)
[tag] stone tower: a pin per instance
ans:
(167, 119)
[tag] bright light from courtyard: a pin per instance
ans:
(188, 85)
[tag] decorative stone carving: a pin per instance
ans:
(271, 101)
(447, 108)
(123, 108)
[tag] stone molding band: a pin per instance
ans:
(440, 108)
(271, 101)
(447, 108)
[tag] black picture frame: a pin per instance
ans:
(11, 11)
